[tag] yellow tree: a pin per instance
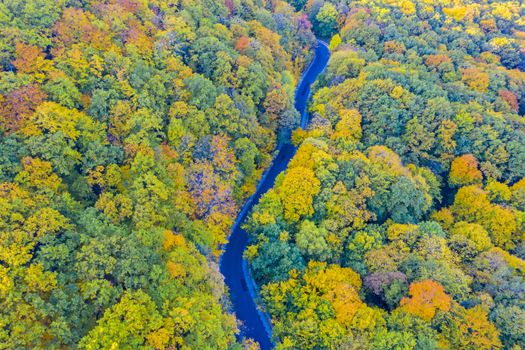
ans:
(475, 232)
(348, 128)
(297, 191)
(472, 204)
(475, 331)
(476, 79)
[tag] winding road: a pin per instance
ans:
(256, 324)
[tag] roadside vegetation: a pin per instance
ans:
(399, 222)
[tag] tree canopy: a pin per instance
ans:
(131, 132)
(416, 144)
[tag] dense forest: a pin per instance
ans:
(399, 224)
(131, 132)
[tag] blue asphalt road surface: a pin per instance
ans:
(244, 306)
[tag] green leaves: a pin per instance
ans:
(326, 20)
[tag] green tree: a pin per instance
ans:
(326, 20)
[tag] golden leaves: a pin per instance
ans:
(464, 171)
(299, 187)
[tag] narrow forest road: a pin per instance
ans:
(255, 324)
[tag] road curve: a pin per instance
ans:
(255, 324)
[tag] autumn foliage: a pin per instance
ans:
(464, 171)
(416, 139)
(426, 298)
(131, 132)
